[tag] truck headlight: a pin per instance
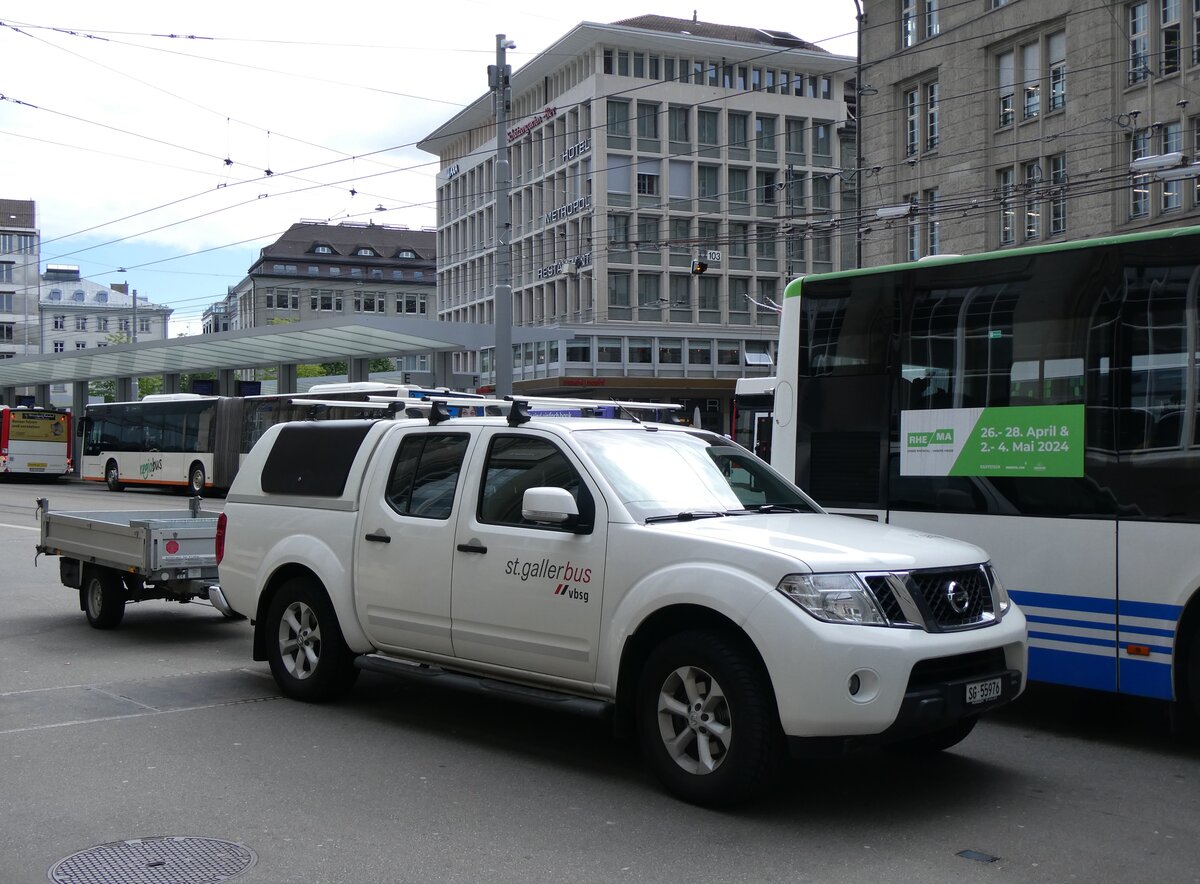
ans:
(834, 598)
(999, 593)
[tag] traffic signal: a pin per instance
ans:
(699, 267)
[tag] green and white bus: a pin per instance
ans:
(1040, 402)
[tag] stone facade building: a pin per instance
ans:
(1002, 123)
(636, 149)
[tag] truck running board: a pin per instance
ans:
(486, 686)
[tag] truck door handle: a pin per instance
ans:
(472, 547)
(379, 538)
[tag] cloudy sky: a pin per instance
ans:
(145, 130)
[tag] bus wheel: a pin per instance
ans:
(196, 478)
(102, 598)
(112, 476)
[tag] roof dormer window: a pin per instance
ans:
(366, 252)
(406, 253)
(322, 249)
(101, 297)
(77, 295)
(55, 294)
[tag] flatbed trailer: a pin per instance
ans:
(113, 557)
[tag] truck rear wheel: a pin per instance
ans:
(707, 721)
(102, 598)
(308, 656)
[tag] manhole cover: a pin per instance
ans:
(162, 860)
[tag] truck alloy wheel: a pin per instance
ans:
(706, 719)
(308, 656)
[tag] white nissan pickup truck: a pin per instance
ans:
(656, 573)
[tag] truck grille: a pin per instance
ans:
(942, 599)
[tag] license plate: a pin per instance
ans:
(37, 466)
(985, 691)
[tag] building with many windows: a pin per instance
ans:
(319, 271)
(638, 148)
(20, 254)
(78, 314)
(1006, 123)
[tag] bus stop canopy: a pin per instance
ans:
(291, 343)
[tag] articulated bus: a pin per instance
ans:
(35, 442)
(1040, 402)
(193, 443)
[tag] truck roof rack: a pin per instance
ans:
(517, 408)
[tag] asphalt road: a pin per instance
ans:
(165, 727)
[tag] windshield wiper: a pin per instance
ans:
(782, 508)
(686, 516)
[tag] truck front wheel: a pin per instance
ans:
(308, 656)
(102, 598)
(707, 721)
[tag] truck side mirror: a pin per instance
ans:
(548, 506)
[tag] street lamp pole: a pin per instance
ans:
(498, 78)
(861, 18)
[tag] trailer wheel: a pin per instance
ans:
(112, 476)
(102, 598)
(308, 656)
(195, 483)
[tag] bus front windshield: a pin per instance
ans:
(661, 474)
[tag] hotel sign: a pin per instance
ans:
(576, 150)
(583, 204)
(529, 125)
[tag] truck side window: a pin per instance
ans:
(425, 474)
(515, 463)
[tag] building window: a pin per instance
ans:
(59, 347)
(102, 323)
(618, 231)
(78, 296)
(1172, 191)
(738, 130)
(648, 232)
(796, 131)
(1139, 42)
(80, 323)
(708, 127)
(1139, 194)
(764, 132)
(908, 23)
(647, 183)
(739, 240)
(7, 329)
(1169, 37)
(60, 322)
(821, 193)
(411, 304)
(677, 124)
(1004, 71)
(822, 143)
(1058, 194)
(6, 302)
(912, 237)
(647, 120)
(1032, 174)
(931, 116)
(618, 296)
(618, 118)
(124, 324)
(608, 350)
(933, 230)
(1004, 188)
(81, 345)
(1057, 45)
(739, 185)
(1031, 75)
(911, 122)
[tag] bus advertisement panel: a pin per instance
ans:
(1039, 402)
(35, 441)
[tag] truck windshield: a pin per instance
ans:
(666, 473)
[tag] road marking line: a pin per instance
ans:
(20, 527)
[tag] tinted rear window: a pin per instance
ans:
(313, 459)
